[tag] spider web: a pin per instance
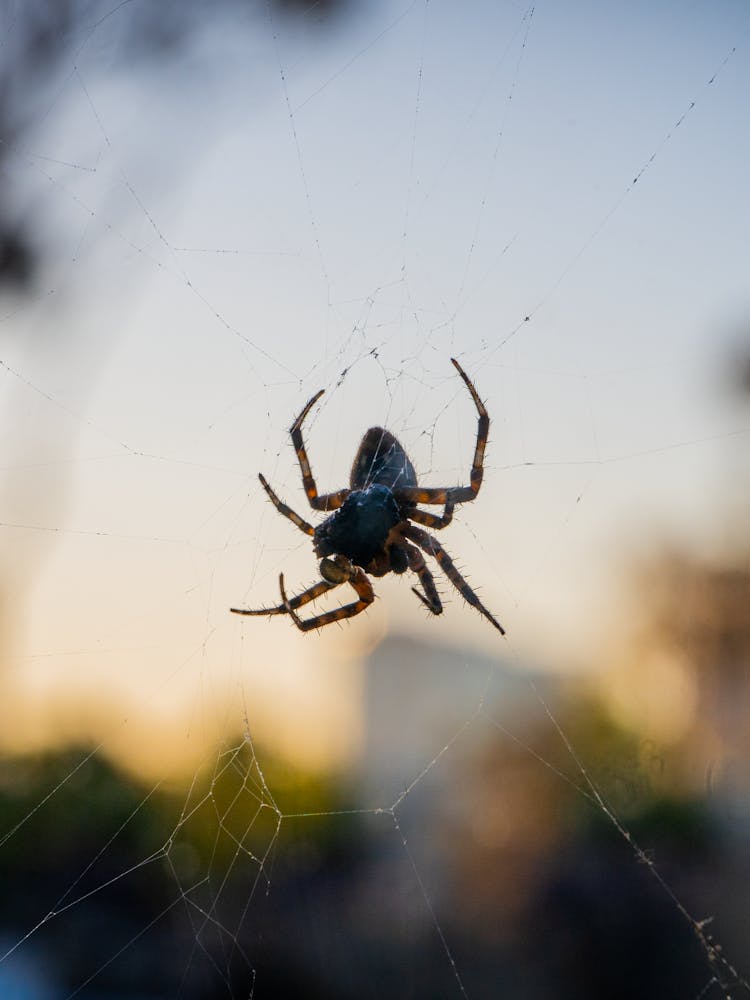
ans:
(289, 198)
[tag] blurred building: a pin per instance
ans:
(453, 742)
(431, 707)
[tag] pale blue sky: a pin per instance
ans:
(234, 232)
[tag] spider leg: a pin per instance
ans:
(433, 520)
(357, 578)
(282, 508)
(317, 590)
(483, 429)
(329, 501)
(456, 494)
(433, 547)
(430, 598)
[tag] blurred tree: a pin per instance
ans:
(39, 41)
(89, 854)
(683, 685)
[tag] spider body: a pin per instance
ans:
(380, 460)
(361, 530)
(370, 530)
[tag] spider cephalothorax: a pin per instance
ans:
(360, 528)
(370, 529)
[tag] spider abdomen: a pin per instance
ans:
(382, 460)
(360, 527)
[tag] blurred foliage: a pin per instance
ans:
(550, 861)
(87, 800)
(256, 878)
(88, 852)
(537, 849)
(631, 776)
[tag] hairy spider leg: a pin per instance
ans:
(317, 590)
(433, 520)
(455, 494)
(357, 578)
(329, 501)
(282, 508)
(433, 548)
(430, 598)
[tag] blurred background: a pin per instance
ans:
(206, 216)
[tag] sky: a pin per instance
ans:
(556, 195)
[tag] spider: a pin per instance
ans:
(371, 530)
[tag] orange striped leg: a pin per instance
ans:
(433, 548)
(455, 494)
(483, 430)
(329, 501)
(317, 590)
(361, 584)
(433, 520)
(282, 508)
(430, 598)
